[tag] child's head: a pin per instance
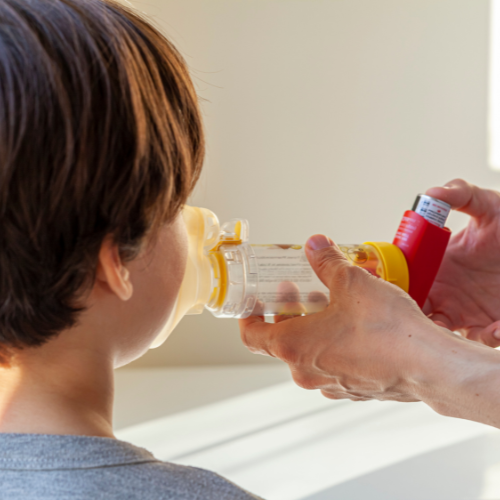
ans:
(101, 142)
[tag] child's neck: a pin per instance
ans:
(63, 387)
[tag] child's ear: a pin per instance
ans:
(111, 270)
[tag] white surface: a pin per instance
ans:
(282, 442)
(326, 116)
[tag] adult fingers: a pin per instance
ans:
(489, 336)
(441, 324)
(442, 320)
(468, 198)
(318, 299)
(287, 291)
(343, 395)
(283, 317)
(317, 302)
(286, 342)
(259, 309)
(255, 334)
(428, 307)
(325, 258)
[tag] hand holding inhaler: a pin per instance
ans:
(364, 345)
(235, 279)
(371, 341)
(466, 294)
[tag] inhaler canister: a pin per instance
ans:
(423, 238)
(432, 209)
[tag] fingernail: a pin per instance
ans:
(319, 241)
(496, 334)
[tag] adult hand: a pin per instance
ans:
(372, 341)
(466, 294)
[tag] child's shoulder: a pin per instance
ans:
(80, 467)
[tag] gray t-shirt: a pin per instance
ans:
(43, 467)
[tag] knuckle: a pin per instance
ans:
(250, 341)
(304, 380)
(341, 276)
(349, 275)
(490, 342)
(328, 259)
(339, 272)
(286, 352)
(333, 395)
(245, 337)
(458, 182)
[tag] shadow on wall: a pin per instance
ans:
(445, 474)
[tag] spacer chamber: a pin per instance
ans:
(235, 279)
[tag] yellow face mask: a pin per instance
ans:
(205, 278)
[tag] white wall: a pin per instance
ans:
(326, 116)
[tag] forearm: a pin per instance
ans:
(461, 379)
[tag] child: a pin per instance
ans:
(101, 142)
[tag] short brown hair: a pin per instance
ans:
(100, 133)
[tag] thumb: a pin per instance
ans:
(325, 258)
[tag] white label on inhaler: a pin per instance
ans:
(435, 211)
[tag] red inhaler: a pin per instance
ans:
(423, 239)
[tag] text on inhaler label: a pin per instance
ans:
(435, 211)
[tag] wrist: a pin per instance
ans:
(457, 377)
